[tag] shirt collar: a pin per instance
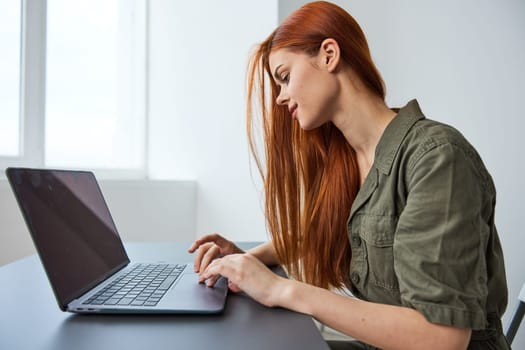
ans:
(394, 134)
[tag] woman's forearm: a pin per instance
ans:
(265, 253)
(384, 326)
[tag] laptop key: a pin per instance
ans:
(125, 301)
(167, 283)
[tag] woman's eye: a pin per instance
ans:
(286, 78)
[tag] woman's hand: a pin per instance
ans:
(211, 247)
(248, 274)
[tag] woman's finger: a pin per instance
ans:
(210, 238)
(210, 282)
(233, 287)
(200, 254)
(213, 269)
(212, 253)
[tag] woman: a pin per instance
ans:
(395, 207)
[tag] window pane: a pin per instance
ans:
(10, 14)
(95, 83)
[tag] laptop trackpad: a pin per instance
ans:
(189, 294)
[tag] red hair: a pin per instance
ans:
(310, 177)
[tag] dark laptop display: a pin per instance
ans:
(71, 227)
(84, 257)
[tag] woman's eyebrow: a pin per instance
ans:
(275, 75)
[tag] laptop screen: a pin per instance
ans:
(71, 227)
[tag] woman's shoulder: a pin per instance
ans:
(429, 136)
(428, 131)
(415, 134)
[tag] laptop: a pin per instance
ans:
(85, 260)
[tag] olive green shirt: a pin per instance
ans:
(422, 227)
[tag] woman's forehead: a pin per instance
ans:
(281, 56)
(276, 57)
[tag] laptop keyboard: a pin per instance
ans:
(144, 285)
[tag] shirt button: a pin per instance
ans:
(355, 278)
(356, 241)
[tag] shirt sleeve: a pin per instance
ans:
(441, 236)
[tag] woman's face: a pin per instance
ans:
(307, 88)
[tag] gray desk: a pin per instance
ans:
(31, 319)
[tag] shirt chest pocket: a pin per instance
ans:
(377, 233)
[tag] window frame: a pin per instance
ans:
(32, 110)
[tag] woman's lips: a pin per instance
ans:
(293, 111)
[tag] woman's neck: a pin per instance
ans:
(362, 118)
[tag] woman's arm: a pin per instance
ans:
(384, 326)
(265, 253)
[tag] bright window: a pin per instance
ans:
(10, 17)
(95, 84)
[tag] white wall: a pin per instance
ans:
(15, 241)
(199, 51)
(463, 61)
(160, 210)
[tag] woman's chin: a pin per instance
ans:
(307, 126)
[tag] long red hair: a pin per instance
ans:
(310, 177)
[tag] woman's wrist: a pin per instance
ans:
(265, 253)
(282, 292)
(290, 294)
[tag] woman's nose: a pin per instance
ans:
(281, 99)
